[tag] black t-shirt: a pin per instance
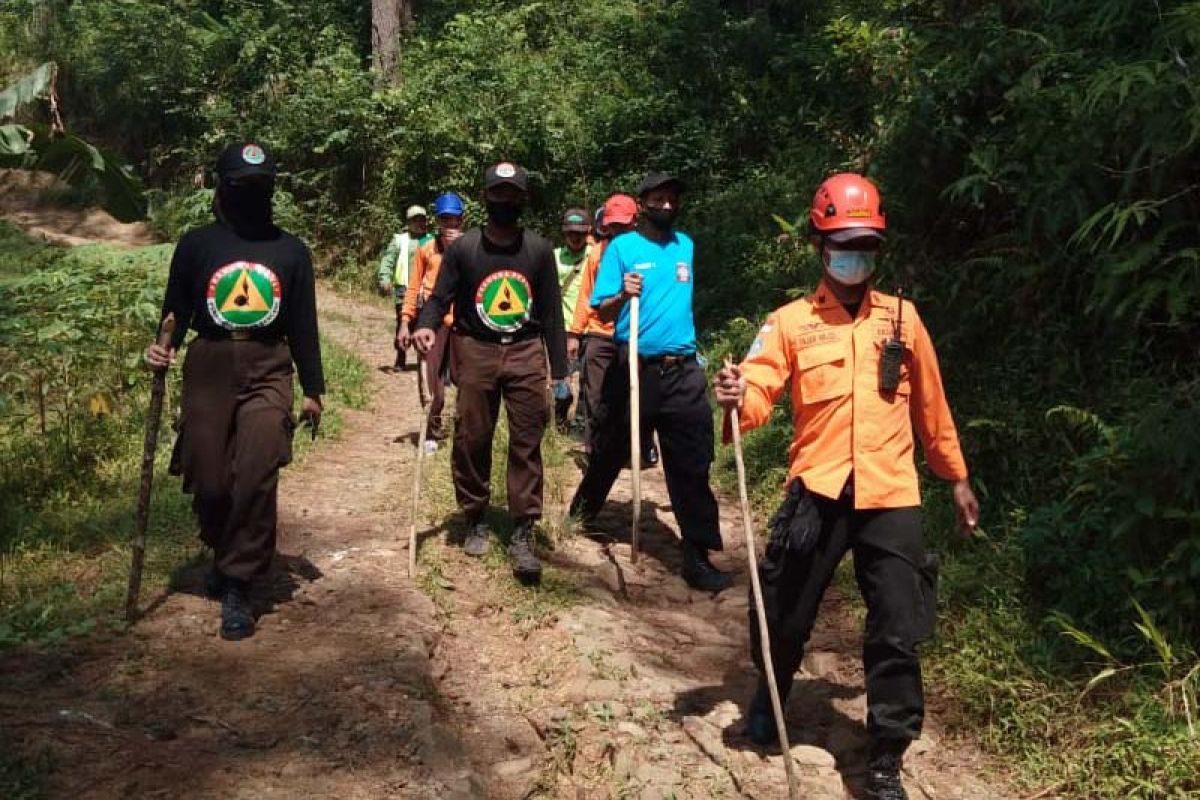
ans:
(501, 294)
(222, 283)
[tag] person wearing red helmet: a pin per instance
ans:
(863, 375)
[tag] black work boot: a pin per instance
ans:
(883, 770)
(699, 572)
(478, 537)
(760, 717)
(214, 583)
(526, 566)
(237, 618)
(649, 455)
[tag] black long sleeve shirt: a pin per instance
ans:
(501, 293)
(222, 283)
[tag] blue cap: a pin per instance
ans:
(448, 203)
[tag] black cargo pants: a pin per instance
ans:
(886, 543)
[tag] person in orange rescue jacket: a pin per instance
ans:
(449, 211)
(863, 375)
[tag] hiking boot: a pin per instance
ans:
(883, 771)
(237, 618)
(760, 717)
(699, 572)
(526, 566)
(214, 583)
(649, 455)
(478, 537)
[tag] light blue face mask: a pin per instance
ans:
(850, 267)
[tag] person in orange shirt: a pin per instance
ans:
(863, 374)
(448, 210)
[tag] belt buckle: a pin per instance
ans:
(239, 336)
(506, 340)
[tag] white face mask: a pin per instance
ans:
(849, 267)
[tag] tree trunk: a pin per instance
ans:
(390, 20)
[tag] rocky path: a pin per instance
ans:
(610, 681)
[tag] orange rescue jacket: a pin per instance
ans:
(426, 264)
(843, 422)
(585, 321)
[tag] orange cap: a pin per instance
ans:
(620, 208)
(845, 202)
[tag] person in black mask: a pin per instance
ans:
(502, 284)
(247, 289)
(655, 262)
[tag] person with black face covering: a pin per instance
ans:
(247, 289)
(502, 283)
(655, 262)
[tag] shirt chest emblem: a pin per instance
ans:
(503, 300)
(243, 295)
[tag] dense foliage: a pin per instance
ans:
(1040, 161)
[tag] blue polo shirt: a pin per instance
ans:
(665, 312)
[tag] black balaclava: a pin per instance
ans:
(504, 213)
(245, 205)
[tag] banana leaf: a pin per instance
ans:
(78, 163)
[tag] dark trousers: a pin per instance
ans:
(886, 544)
(487, 373)
(674, 401)
(236, 433)
(401, 355)
(435, 382)
(599, 354)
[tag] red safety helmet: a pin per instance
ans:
(846, 207)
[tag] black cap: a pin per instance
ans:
(655, 180)
(243, 159)
(577, 219)
(506, 172)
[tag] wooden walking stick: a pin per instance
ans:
(158, 388)
(635, 427)
(764, 635)
(422, 383)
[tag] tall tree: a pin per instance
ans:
(390, 20)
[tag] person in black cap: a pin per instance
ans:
(502, 284)
(570, 260)
(655, 262)
(247, 289)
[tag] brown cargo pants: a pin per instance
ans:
(236, 433)
(487, 372)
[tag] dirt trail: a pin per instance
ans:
(610, 681)
(26, 200)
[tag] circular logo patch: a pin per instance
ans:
(506, 170)
(503, 300)
(253, 154)
(243, 295)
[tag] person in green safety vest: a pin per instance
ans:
(395, 266)
(570, 259)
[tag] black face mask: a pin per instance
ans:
(661, 218)
(245, 206)
(504, 214)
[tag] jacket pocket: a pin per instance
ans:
(823, 372)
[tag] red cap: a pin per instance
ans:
(620, 208)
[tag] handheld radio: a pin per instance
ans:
(893, 352)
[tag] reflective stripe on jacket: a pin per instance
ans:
(842, 422)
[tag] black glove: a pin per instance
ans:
(796, 525)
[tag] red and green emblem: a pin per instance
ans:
(503, 300)
(243, 295)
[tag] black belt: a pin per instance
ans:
(242, 336)
(667, 360)
(512, 338)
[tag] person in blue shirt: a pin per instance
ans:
(655, 262)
